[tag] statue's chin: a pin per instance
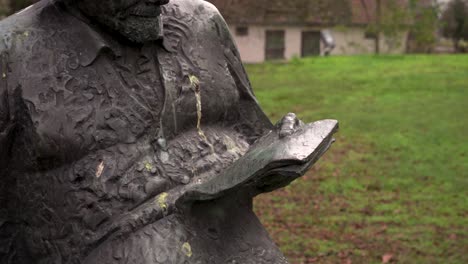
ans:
(137, 29)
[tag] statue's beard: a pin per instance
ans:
(137, 29)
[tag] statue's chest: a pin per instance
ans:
(120, 101)
(96, 106)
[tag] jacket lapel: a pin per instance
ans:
(171, 75)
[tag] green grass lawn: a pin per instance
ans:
(395, 183)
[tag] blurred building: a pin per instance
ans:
(283, 29)
(279, 29)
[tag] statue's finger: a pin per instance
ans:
(288, 125)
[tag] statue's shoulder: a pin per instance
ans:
(22, 19)
(198, 14)
(20, 26)
(198, 9)
(197, 18)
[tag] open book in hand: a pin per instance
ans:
(271, 163)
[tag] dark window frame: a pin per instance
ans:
(370, 35)
(275, 44)
(306, 50)
(242, 31)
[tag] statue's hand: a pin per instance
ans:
(288, 125)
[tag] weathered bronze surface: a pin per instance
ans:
(129, 133)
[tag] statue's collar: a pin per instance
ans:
(90, 41)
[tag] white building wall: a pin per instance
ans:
(352, 41)
(252, 46)
(396, 46)
(348, 40)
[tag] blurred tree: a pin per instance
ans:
(455, 22)
(16, 5)
(391, 19)
(422, 36)
(4, 8)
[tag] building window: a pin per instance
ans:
(310, 43)
(370, 35)
(275, 45)
(242, 31)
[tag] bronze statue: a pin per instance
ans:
(129, 133)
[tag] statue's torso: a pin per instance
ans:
(88, 148)
(92, 135)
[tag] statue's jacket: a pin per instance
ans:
(90, 128)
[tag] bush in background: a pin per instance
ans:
(455, 24)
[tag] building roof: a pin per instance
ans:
(308, 12)
(282, 11)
